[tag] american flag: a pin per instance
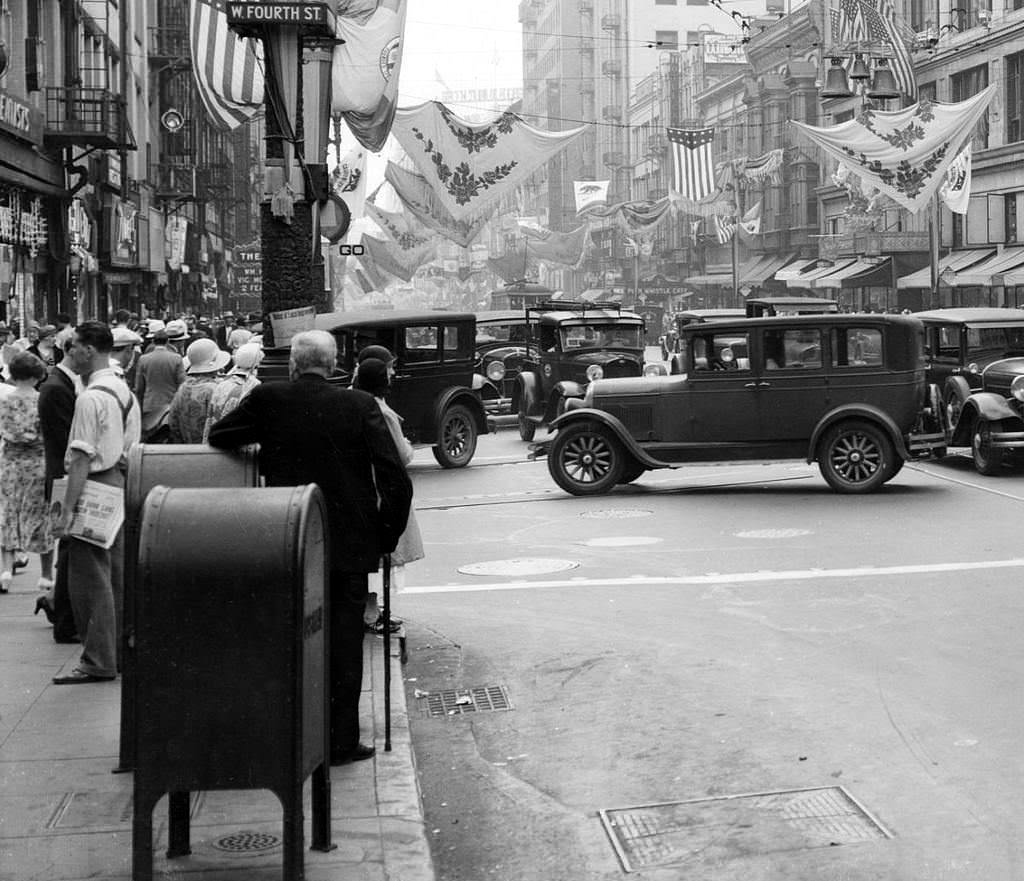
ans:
(874, 21)
(228, 69)
(693, 170)
(725, 228)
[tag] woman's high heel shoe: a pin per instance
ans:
(43, 603)
(5, 581)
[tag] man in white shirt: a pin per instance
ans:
(106, 423)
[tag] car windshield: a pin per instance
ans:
(600, 336)
(513, 332)
(995, 342)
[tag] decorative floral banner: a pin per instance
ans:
(565, 248)
(396, 260)
(904, 153)
(420, 200)
(471, 166)
(405, 231)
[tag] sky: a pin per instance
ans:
(459, 44)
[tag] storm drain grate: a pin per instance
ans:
(714, 829)
(457, 702)
(247, 842)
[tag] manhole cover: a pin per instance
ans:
(737, 826)
(616, 514)
(773, 533)
(247, 842)
(457, 702)
(621, 541)
(525, 566)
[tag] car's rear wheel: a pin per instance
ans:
(987, 459)
(527, 427)
(955, 399)
(456, 438)
(856, 457)
(585, 459)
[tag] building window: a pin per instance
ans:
(694, 38)
(1010, 216)
(1014, 97)
(667, 40)
(664, 2)
(926, 91)
(696, 2)
(966, 85)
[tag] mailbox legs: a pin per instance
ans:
(293, 846)
(179, 824)
(322, 808)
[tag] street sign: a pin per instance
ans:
(315, 15)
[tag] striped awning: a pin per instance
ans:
(954, 261)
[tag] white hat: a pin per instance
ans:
(123, 337)
(155, 324)
(247, 357)
(205, 356)
(176, 330)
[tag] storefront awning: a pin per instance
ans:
(954, 261)
(804, 279)
(794, 269)
(764, 269)
(837, 278)
(1012, 278)
(707, 281)
(981, 274)
(876, 275)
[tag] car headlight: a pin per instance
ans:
(595, 371)
(654, 370)
(1017, 388)
(972, 368)
(495, 371)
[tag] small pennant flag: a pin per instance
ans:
(751, 221)
(956, 189)
(590, 194)
(725, 228)
(693, 169)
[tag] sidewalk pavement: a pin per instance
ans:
(65, 815)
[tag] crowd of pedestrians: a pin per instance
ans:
(73, 401)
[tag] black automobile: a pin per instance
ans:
(570, 344)
(846, 391)
(501, 338)
(976, 358)
(432, 389)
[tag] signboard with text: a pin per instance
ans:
(246, 17)
(248, 271)
(20, 119)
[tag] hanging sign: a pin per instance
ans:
(19, 118)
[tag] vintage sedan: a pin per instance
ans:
(432, 389)
(846, 391)
(571, 344)
(501, 337)
(976, 357)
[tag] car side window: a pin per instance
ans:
(451, 342)
(420, 344)
(721, 352)
(946, 343)
(856, 347)
(786, 348)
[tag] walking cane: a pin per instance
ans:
(386, 590)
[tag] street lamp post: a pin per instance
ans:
(293, 188)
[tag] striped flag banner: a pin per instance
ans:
(693, 169)
(874, 21)
(725, 228)
(228, 69)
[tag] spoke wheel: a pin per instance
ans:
(527, 427)
(856, 457)
(585, 459)
(456, 438)
(954, 407)
(987, 459)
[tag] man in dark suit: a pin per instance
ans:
(310, 431)
(56, 408)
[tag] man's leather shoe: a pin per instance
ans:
(78, 677)
(359, 752)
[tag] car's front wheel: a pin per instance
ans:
(856, 457)
(585, 459)
(527, 427)
(456, 438)
(987, 459)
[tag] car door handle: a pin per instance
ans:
(756, 385)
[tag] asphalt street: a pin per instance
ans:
(720, 672)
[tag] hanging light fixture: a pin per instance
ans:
(883, 86)
(860, 68)
(836, 84)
